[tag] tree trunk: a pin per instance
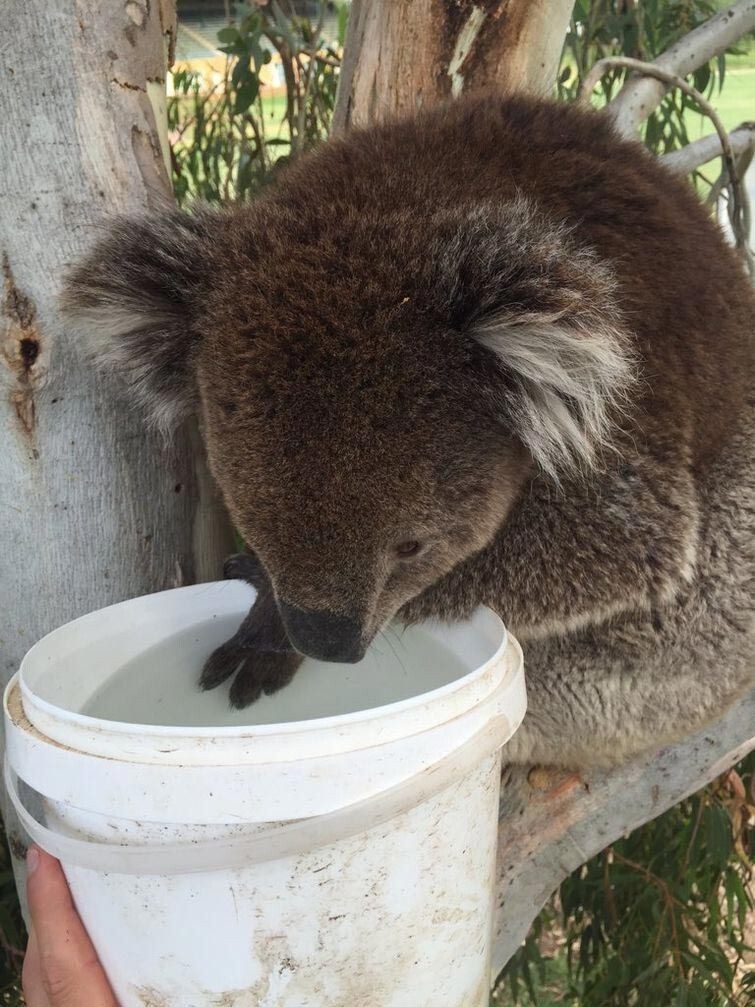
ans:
(92, 510)
(402, 56)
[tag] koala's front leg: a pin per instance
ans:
(259, 653)
(579, 578)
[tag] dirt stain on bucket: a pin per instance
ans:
(149, 997)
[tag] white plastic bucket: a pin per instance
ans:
(326, 861)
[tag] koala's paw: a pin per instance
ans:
(264, 673)
(243, 566)
(256, 672)
(259, 654)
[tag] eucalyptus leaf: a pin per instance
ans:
(246, 95)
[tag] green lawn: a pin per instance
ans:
(735, 103)
(274, 108)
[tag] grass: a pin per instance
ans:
(735, 103)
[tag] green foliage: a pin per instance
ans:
(12, 932)
(227, 141)
(534, 977)
(659, 918)
(642, 29)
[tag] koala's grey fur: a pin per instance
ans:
(496, 330)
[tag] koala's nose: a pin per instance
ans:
(322, 635)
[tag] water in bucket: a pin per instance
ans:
(159, 685)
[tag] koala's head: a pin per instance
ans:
(375, 389)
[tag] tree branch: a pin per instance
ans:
(640, 95)
(744, 211)
(736, 189)
(694, 155)
(547, 834)
(202, 40)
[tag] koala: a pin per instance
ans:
(489, 355)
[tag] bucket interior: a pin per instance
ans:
(139, 663)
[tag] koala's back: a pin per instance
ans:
(681, 287)
(661, 669)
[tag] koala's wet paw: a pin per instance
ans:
(221, 664)
(262, 673)
(256, 672)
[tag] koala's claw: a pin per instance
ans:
(262, 673)
(221, 664)
(259, 654)
(257, 672)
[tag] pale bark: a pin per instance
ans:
(640, 95)
(401, 57)
(544, 836)
(698, 153)
(92, 510)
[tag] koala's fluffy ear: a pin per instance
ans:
(132, 300)
(547, 309)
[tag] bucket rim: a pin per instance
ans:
(32, 701)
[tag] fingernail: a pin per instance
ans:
(32, 860)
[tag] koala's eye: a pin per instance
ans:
(405, 550)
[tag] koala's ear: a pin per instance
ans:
(132, 299)
(566, 380)
(547, 309)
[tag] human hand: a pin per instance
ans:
(61, 968)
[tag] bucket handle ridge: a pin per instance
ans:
(292, 839)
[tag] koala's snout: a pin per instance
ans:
(322, 635)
